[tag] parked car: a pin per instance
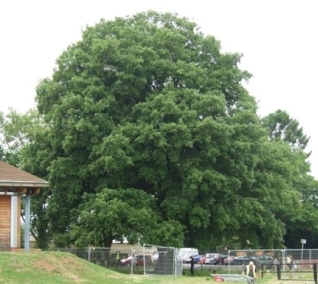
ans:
(196, 258)
(263, 261)
(212, 258)
(228, 260)
(208, 257)
(137, 260)
(223, 259)
(240, 260)
(185, 253)
(216, 258)
(126, 261)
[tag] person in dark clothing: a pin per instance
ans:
(192, 265)
(250, 271)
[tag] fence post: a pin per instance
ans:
(315, 272)
(278, 272)
(132, 261)
(89, 254)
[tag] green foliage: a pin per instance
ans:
(300, 217)
(128, 212)
(149, 134)
(281, 126)
(96, 105)
(9, 144)
(17, 147)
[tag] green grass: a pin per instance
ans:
(65, 268)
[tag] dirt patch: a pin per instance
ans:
(44, 264)
(63, 267)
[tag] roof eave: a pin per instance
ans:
(13, 183)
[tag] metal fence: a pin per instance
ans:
(146, 259)
(165, 261)
(287, 264)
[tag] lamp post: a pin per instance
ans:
(303, 241)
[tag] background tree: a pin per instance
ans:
(11, 140)
(300, 222)
(281, 126)
(36, 158)
(18, 133)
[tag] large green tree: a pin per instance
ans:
(300, 223)
(146, 110)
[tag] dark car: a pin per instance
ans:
(241, 260)
(263, 261)
(223, 259)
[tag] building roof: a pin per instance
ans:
(13, 177)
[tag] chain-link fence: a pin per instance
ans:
(120, 260)
(147, 259)
(298, 264)
(165, 261)
(286, 264)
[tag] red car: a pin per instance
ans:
(137, 260)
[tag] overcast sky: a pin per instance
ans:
(277, 37)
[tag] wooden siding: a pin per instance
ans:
(5, 222)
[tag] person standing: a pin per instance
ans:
(118, 258)
(192, 265)
(250, 272)
(288, 261)
(276, 263)
(291, 263)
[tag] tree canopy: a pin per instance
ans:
(149, 134)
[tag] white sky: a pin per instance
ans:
(277, 37)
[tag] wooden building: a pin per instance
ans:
(15, 183)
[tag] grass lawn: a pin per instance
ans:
(65, 268)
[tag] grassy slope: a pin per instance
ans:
(57, 267)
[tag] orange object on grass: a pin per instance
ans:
(218, 278)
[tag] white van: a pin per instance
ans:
(185, 253)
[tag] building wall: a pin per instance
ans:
(5, 222)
